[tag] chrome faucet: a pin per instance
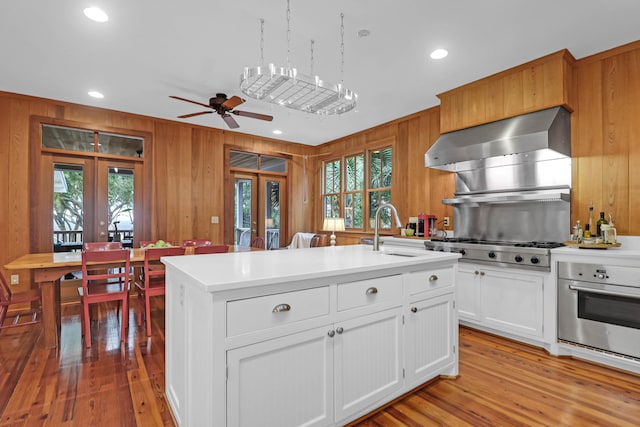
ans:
(376, 236)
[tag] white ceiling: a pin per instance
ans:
(194, 48)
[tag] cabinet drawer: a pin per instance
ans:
(369, 292)
(255, 314)
(424, 281)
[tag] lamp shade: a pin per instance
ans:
(333, 224)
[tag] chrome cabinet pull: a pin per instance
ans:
(433, 278)
(339, 330)
(476, 272)
(414, 309)
(331, 333)
(372, 291)
(482, 273)
(281, 307)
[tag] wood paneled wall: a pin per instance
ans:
(188, 161)
(187, 166)
(416, 189)
(606, 138)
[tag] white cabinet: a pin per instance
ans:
(368, 360)
(286, 381)
(509, 301)
(430, 338)
(321, 352)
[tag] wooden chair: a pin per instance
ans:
(319, 240)
(196, 242)
(213, 249)
(257, 242)
(8, 298)
(102, 283)
(151, 283)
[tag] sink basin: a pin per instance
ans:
(407, 254)
(399, 254)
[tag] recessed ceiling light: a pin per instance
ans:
(277, 132)
(96, 14)
(95, 94)
(439, 54)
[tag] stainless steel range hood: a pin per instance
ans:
(542, 135)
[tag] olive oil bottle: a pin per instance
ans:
(599, 226)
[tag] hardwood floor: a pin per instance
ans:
(501, 383)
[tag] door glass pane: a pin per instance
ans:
(66, 138)
(272, 215)
(242, 212)
(120, 199)
(68, 207)
(120, 145)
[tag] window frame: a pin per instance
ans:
(366, 191)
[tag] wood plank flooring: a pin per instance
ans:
(501, 383)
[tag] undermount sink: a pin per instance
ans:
(407, 254)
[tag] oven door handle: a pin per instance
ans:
(603, 292)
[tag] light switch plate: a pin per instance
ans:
(215, 220)
(15, 279)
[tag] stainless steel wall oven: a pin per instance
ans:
(599, 307)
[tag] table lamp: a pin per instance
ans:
(333, 225)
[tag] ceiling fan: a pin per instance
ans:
(224, 107)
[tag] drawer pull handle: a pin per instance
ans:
(414, 309)
(331, 333)
(433, 278)
(372, 291)
(339, 330)
(281, 307)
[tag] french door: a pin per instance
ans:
(259, 208)
(90, 200)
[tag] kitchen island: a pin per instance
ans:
(317, 336)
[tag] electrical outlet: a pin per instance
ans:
(445, 222)
(215, 220)
(15, 279)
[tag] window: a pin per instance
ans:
(361, 182)
(331, 195)
(379, 190)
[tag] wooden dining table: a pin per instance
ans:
(47, 270)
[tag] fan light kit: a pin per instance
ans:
(287, 87)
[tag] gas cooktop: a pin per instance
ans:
(531, 255)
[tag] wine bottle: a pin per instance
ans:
(599, 225)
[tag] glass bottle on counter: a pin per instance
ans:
(599, 227)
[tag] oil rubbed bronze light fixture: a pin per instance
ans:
(289, 88)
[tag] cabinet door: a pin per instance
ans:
(468, 294)
(430, 338)
(513, 303)
(282, 382)
(368, 360)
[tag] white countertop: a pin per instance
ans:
(627, 254)
(219, 272)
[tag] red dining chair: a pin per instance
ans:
(196, 242)
(213, 249)
(257, 242)
(102, 283)
(151, 283)
(8, 298)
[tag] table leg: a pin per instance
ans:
(51, 312)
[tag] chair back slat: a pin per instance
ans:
(114, 266)
(213, 249)
(5, 290)
(102, 246)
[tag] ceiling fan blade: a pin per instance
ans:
(230, 121)
(188, 100)
(232, 102)
(252, 115)
(194, 114)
